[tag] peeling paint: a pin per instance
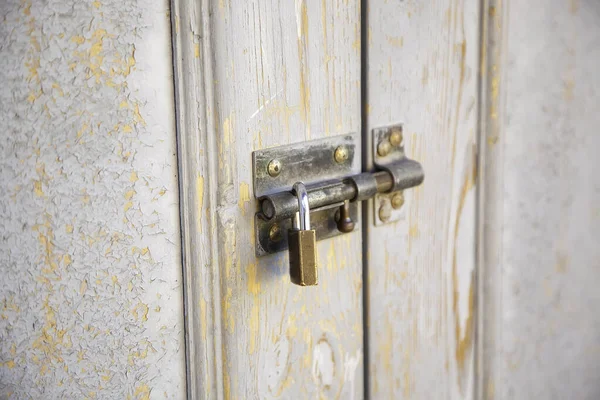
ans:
(88, 110)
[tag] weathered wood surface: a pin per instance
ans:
(90, 294)
(550, 258)
(275, 73)
(488, 338)
(422, 70)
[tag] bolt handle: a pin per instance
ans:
(344, 221)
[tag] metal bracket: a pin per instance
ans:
(388, 155)
(314, 163)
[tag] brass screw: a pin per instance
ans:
(274, 167)
(275, 233)
(341, 154)
(396, 137)
(385, 212)
(397, 200)
(384, 148)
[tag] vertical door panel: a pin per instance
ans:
(284, 73)
(422, 70)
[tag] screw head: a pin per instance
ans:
(385, 211)
(274, 167)
(396, 137)
(384, 148)
(341, 154)
(275, 233)
(397, 200)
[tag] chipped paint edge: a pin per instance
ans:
(192, 60)
(492, 103)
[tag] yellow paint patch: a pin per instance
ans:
(124, 104)
(84, 128)
(253, 281)
(142, 392)
(97, 39)
(78, 39)
(227, 132)
(129, 194)
(200, 197)
(395, 41)
(133, 177)
(86, 197)
(203, 319)
(83, 287)
(196, 50)
(67, 260)
(96, 4)
(244, 196)
(228, 320)
(127, 128)
(140, 312)
(127, 206)
(137, 117)
(254, 327)
(37, 188)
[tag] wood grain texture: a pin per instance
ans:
(550, 321)
(422, 70)
(282, 72)
(90, 294)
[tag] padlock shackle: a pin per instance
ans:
(303, 208)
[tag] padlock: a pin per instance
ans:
(302, 243)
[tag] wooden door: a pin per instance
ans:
(272, 73)
(422, 64)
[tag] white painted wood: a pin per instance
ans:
(280, 73)
(550, 258)
(198, 183)
(422, 70)
(90, 295)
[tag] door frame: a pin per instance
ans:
(194, 104)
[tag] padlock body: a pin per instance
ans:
(303, 257)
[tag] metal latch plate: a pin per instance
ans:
(309, 162)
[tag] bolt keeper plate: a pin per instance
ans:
(382, 202)
(307, 162)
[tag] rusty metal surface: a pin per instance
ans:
(323, 221)
(308, 162)
(406, 173)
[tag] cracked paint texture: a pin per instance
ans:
(91, 294)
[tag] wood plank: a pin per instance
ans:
(422, 70)
(283, 73)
